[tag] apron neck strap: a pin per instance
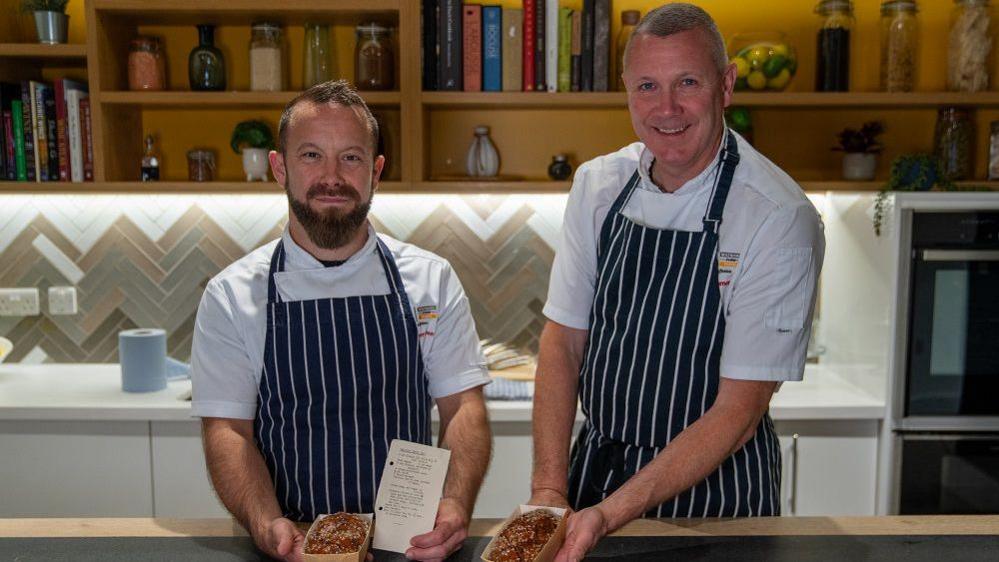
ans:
(277, 264)
(723, 181)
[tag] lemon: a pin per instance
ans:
(757, 80)
(758, 55)
(741, 66)
(780, 81)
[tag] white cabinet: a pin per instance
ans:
(830, 467)
(75, 469)
(181, 486)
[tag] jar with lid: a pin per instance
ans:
(317, 65)
(953, 142)
(832, 72)
(200, 165)
(629, 20)
(970, 46)
(374, 60)
(994, 151)
(899, 45)
(265, 58)
(146, 68)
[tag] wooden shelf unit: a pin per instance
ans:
(118, 114)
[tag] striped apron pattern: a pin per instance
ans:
(651, 364)
(342, 377)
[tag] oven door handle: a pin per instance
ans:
(960, 255)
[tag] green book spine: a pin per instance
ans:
(17, 116)
(564, 49)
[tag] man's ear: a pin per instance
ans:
(376, 173)
(728, 83)
(277, 167)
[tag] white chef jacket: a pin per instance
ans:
(229, 334)
(769, 252)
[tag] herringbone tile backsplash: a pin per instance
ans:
(143, 260)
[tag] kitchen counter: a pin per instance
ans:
(910, 538)
(93, 392)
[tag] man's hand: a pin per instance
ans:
(548, 497)
(450, 530)
(583, 530)
(281, 539)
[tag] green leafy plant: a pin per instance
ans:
(44, 5)
(909, 172)
(251, 134)
(863, 141)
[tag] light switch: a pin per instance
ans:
(62, 300)
(19, 302)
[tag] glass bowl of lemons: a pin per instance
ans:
(765, 61)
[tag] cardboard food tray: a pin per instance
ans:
(548, 552)
(347, 557)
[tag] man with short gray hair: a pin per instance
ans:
(680, 297)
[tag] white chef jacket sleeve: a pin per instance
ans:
(574, 271)
(224, 381)
(768, 318)
(453, 359)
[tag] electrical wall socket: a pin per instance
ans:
(62, 300)
(19, 302)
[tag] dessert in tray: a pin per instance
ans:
(526, 535)
(340, 536)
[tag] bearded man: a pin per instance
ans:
(310, 355)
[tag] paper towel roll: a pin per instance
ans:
(142, 353)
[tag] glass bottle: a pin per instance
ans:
(832, 72)
(317, 63)
(994, 151)
(970, 46)
(629, 19)
(899, 45)
(374, 67)
(150, 170)
(206, 65)
(482, 159)
(265, 58)
(560, 169)
(146, 69)
(952, 143)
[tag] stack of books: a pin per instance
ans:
(541, 47)
(47, 132)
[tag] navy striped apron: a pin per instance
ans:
(342, 377)
(651, 365)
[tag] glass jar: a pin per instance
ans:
(970, 46)
(265, 58)
(317, 64)
(899, 45)
(994, 151)
(765, 60)
(832, 72)
(629, 19)
(146, 68)
(150, 168)
(953, 143)
(560, 169)
(200, 165)
(206, 65)
(374, 66)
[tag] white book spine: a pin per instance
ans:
(74, 131)
(551, 44)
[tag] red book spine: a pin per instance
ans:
(529, 44)
(87, 140)
(472, 47)
(62, 141)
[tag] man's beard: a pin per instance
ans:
(331, 229)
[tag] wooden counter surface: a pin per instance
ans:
(763, 526)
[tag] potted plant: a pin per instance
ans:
(254, 140)
(861, 151)
(51, 20)
(909, 172)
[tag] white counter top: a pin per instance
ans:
(93, 392)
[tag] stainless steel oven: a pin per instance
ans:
(953, 356)
(948, 431)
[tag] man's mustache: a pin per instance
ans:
(323, 190)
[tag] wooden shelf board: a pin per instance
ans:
(216, 99)
(544, 100)
(232, 12)
(75, 52)
(498, 187)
